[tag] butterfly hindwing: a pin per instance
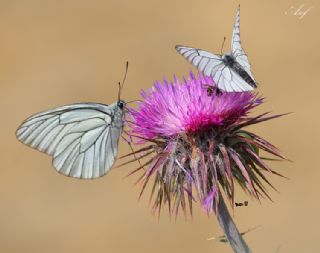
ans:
(82, 138)
(228, 80)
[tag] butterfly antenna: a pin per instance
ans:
(132, 101)
(224, 39)
(119, 91)
(123, 80)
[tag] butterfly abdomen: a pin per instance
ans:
(243, 74)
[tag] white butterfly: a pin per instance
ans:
(82, 138)
(231, 72)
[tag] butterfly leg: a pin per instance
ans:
(132, 150)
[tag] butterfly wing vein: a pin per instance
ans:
(82, 138)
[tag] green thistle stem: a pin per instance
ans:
(230, 229)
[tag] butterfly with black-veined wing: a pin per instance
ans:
(231, 72)
(82, 138)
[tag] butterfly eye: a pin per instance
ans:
(120, 104)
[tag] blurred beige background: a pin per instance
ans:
(60, 52)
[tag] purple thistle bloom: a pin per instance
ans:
(172, 109)
(198, 144)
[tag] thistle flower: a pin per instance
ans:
(196, 143)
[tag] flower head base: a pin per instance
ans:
(198, 143)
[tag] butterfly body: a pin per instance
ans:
(230, 72)
(118, 114)
(230, 61)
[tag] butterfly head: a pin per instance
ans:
(121, 104)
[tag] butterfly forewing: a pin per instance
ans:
(82, 138)
(236, 48)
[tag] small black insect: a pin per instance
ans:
(245, 203)
(211, 89)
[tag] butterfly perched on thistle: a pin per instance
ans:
(231, 72)
(82, 138)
